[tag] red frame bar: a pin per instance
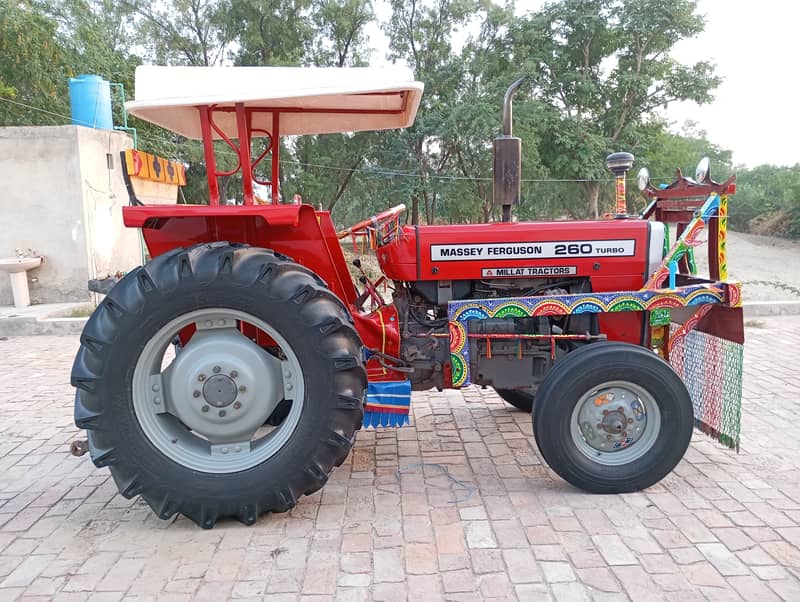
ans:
(208, 149)
(246, 163)
(275, 140)
(243, 126)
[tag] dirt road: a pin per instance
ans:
(769, 268)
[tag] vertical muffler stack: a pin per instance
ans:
(507, 159)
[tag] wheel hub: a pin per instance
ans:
(220, 390)
(614, 422)
(223, 386)
(611, 419)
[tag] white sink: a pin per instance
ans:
(16, 268)
(14, 265)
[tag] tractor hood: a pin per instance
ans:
(616, 255)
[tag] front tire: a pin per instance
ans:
(519, 398)
(612, 418)
(192, 438)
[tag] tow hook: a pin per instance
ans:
(79, 447)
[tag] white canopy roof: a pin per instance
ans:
(311, 100)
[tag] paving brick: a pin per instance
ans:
(557, 572)
(388, 565)
(720, 527)
(614, 550)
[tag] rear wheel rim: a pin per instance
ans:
(206, 410)
(615, 423)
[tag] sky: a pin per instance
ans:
(756, 47)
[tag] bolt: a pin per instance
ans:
(237, 405)
(217, 369)
(289, 386)
(234, 374)
(224, 450)
(201, 377)
(221, 323)
(204, 408)
(209, 323)
(287, 374)
(156, 400)
(222, 413)
(156, 388)
(174, 440)
(242, 388)
(196, 394)
(237, 449)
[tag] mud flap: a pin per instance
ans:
(388, 403)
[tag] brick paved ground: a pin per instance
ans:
(722, 527)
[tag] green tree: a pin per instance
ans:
(183, 32)
(270, 32)
(767, 193)
(33, 66)
(420, 34)
(603, 67)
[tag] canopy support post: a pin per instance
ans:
(244, 153)
(275, 141)
(208, 149)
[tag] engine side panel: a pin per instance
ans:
(614, 255)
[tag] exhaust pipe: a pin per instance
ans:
(507, 159)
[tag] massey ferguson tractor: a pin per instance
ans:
(230, 374)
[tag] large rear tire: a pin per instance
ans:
(612, 418)
(191, 437)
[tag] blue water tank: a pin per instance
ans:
(90, 102)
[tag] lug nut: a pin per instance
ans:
(204, 408)
(196, 394)
(237, 405)
(156, 388)
(222, 413)
(217, 369)
(234, 374)
(156, 400)
(201, 377)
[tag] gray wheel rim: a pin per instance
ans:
(615, 423)
(207, 409)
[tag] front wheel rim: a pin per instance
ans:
(615, 423)
(225, 377)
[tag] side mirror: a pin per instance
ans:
(643, 179)
(701, 173)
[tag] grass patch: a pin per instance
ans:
(755, 324)
(81, 312)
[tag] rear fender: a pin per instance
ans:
(297, 231)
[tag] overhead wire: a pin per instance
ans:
(378, 171)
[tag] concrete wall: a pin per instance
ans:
(59, 198)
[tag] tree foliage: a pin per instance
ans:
(598, 73)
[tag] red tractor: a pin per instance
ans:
(230, 374)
